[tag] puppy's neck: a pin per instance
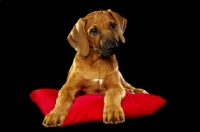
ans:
(93, 55)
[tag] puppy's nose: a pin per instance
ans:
(113, 46)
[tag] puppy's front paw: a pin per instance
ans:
(54, 119)
(113, 115)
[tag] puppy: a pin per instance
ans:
(96, 38)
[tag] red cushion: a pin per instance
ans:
(88, 108)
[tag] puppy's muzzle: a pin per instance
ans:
(109, 46)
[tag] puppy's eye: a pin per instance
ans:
(113, 25)
(94, 31)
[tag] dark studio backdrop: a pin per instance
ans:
(155, 33)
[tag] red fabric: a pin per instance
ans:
(89, 108)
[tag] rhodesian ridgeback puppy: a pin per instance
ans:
(96, 38)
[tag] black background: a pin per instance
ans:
(39, 55)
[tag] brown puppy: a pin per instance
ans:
(95, 68)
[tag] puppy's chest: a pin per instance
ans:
(94, 76)
(95, 85)
(99, 81)
(94, 73)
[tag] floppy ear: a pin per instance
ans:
(77, 38)
(121, 21)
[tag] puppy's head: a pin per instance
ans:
(101, 30)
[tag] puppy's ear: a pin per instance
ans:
(78, 39)
(121, 21)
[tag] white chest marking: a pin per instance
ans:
(99, 80)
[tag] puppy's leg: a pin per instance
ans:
(63, 103)
(113, 112)
(130, 88)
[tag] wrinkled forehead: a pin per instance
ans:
(98, 18)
